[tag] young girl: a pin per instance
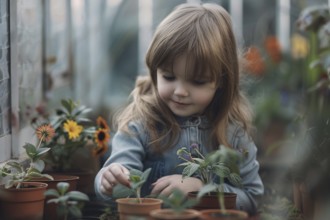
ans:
(191, 95)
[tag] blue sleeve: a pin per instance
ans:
(126, 149)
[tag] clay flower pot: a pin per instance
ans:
(211, 201)
(129, 208)
(25, 203)
(50, 212)
(169, 214)
(217, 214)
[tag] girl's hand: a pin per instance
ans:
(113, 174)
(167, 184)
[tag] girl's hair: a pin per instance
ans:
(203, 33)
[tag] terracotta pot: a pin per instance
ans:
(50, 208)
(217, 214)
(72, 180)
(211, 201)
(85, 183)
(25, 203)
(169, 214)
(128, 208)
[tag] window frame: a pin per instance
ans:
(6, 141)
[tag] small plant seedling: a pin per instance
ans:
(137, 178)
(68, 202)
(178, 202)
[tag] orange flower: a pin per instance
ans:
(255, 64)
(101, 123)
(99, 151)
(273, 48)
(102, 137)
(45, 132)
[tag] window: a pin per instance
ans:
(5, 136)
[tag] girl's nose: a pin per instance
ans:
(181, 90)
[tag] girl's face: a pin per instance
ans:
(185, 97)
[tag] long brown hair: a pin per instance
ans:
(203, 32)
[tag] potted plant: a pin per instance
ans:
(75, 134)
(177, 207)
(221, 164)
(19, 194)
(68, 203)
(207, 168)
(136, 206)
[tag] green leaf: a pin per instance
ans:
(198, 160)
(31, 150)
(135, 172)
(63, 198)
(121, 191)
(67, 104)
(235, 179)
(206, 189)
(81, 110)
(15, 165)
(221, 170)
(75, 211)
(52, 192)
(38, 165)
(41, 151)
(184, 164)
(135, 178)
(32, 174)
(47, 176)
(62, 187)
(54, 200)
(79, 196)
(145, 174)
(190, 169)
(83, 120)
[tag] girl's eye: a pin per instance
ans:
(169, 78)
(199, 82)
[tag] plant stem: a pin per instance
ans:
(138, 195)
(221, 196)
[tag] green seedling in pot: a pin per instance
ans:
(137, 178)
(68, 203)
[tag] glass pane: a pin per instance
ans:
(4, 70)
(29, 47)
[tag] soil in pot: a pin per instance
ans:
(25, 203)
(169, 214)
(211, 201)
(217, 214)
(129, 208)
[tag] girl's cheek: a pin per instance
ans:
(163, 93)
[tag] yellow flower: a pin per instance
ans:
(299, 48)
(73, 129)
(45, 132)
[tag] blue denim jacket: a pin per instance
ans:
(133, 152)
